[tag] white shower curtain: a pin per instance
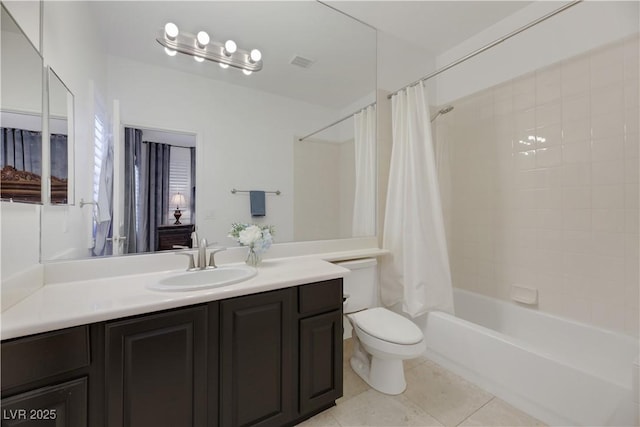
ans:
(364, 204)
(417, 271)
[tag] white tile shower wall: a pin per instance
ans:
(545, 187)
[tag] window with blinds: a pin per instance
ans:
(180, 181)
(98, 154)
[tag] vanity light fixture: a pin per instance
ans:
(230, 47)
(201, 47)
(202, 40)
(171, 30)
(255, 56)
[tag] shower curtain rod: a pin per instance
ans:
(336, 122)
(458, 61)
(489, 46)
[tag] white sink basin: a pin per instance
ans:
(205, 279)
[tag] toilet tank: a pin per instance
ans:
(361, 285)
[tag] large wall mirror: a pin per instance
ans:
(20, 115)
(318, 66)
(61, 140)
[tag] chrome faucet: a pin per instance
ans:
(202, 257)
(202, 254)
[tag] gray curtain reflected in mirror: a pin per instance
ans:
(159, 186)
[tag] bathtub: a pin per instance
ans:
(557, 370)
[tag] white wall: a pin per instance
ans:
(316, 184)
(20, 226)
(401, 63)
(27, 15)
(245, 139)
(347, 187)
(580, 28)
(324, 185)
(21, 70)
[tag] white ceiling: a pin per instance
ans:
(344, 50)
(435, 26)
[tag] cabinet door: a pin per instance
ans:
(156, 370)
(320, 361)
(257, 359)
(62, 405)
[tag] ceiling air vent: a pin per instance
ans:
(302, 62)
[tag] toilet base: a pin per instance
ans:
(384, 375)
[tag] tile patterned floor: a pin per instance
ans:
(434, 397)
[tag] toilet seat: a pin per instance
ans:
(387, 326)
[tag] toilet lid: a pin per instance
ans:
(388, 326)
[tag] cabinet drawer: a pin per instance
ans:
(320, 297)
(58, 405)
(25, 360)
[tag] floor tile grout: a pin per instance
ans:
(356, 390)
(471, 414)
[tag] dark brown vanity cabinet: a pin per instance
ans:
(45, 379)
(57, 405)
(320, 346)
(257, 359)
(267, 359)
(280, 355)
(157, 368)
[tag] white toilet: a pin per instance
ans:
(382, 339)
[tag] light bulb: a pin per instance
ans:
(171, 30)
(247, 72)
(203, 39)
(225, 66)
(198, 58)
(230, 47)
(170, 52)
(255, 55)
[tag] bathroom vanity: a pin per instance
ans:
(268, 358)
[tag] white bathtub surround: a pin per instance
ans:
(364, 203)
(545, 187)
(524, 294)
(560, 371)
(417, 273)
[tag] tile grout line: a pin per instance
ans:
(471, 414)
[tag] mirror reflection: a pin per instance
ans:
(20, 115)
(60, 139)
(159, 190)
(318, 66)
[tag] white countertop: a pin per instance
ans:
(63, 305)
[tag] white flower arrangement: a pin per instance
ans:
(257, 237)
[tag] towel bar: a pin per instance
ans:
(234, 191)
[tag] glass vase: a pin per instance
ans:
(253, 258)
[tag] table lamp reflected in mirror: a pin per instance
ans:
(178, 200)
